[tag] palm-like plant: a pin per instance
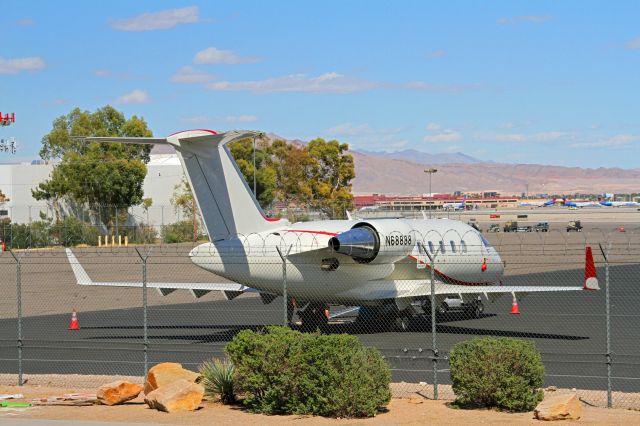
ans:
(218, 379)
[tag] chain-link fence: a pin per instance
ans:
(144, 304)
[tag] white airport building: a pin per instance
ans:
(164, 173)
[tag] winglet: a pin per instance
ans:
(590, 275)
(348, 215)
(81, 275)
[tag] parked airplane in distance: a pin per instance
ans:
(382, 266)
(455, 206)
(619, 203)
(570, 203)
(538, 203)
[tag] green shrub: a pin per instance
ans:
(218, 380)
(287, 372)
(492, 372)
(179, 232)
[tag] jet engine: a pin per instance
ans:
(378, 241)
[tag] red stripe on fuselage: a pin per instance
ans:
(449, 280)
(195, 130)
(332, 234)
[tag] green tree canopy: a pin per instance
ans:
(95, 174)
(331, 172)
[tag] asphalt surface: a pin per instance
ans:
(569, 329)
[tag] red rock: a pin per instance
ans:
(118, 392)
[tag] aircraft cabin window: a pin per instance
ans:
(463, 246)
(442, 250)
(453, 246)
(431, 246)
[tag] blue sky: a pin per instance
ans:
(550, 82)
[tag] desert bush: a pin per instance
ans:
(282, 371)
(218, 380)
(497, 372)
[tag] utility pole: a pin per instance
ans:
(195, 223)
(430, 171)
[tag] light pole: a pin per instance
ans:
(254, 168)
(430, 171)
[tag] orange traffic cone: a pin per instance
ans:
(74, 325)
(514, 305)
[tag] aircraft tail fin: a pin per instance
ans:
(228, 206)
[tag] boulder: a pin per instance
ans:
(118, 392)
(163, 374)
(180, 395)
(563, 406)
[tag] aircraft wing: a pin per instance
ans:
(229, 289)
(420, 289)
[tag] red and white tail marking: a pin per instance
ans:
(590, 276)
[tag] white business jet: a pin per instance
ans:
(382, 266)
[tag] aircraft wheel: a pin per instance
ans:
(477, 310)
(442, 309)
(402, 323)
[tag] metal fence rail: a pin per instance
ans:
(588, 340)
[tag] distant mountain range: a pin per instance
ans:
(425, 158)
(402, 173)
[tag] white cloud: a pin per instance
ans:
(439, 53)
(25, 21)
(162, 20)
(446, 135)
(633, 44)
(431, 87)
(326, 83)
(350, 129)
(232, 119)
(360, 130)
(617, 141)
(189, 75)
(107, 73)
(534, 19)
(524, 137)
(212, 55)
(439, 134)
(136, 97)
(17, 65)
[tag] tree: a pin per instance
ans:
(94, 174)
(242, 152)
(330, 176)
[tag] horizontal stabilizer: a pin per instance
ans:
(198, 289)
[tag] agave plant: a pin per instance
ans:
(218, 379)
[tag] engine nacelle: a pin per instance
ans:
(377, 241)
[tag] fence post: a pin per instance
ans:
(434, 347)
(285, 297)
(145, 339)
(608, 321)
(19, 303)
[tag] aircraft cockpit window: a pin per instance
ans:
(453, 246)
(442, 250)
(431, 246)
(463, 246)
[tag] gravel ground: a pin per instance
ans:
(413, 408)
